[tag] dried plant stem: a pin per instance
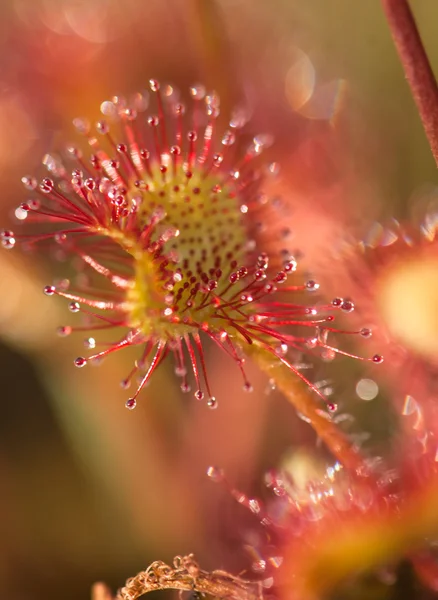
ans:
(185, 575)
(416, 65)
(296, 393)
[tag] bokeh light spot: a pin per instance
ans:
(367, 389)
(408, 299)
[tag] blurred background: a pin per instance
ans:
(88, 490)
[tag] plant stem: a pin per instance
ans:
(416, 66)
(185, 575)
(308, 406)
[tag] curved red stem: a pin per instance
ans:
(416, 66)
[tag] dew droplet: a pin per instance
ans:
(290, 265)
(311, 342)
(239, 118)
(192, 136)
(281, 349)
(131, 403)
(185, 387)
(74, 307)
(212, 403)
(30, 183)
(90, 343)
(175, 150)
(119, 101)
(197, 91)
(49, 290)
(20, 213)
(233, 277)
(32, 205)
(259, 566)
(274, 169)
(60, 238)
(153, 121)
(269, 288)
(199, 395)
(46, 186)
(327, 354)
(8, 242)
(366, 332)
(247, 387)
(64, 331)
(262, 141)
(312, 285)
(377, 358)
(80, 362)
(54, 165)
(108, 109)
(215, 474)
(180, 109)
(217, 159)
(347, 306)
(280, 277)
(213, 100)
(228, 138)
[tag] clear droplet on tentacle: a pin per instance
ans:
(131, 403)
(239, 117)
(108, 109)
(212, 403)
(215, 474)
(197, 91)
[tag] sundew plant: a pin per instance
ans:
(162, 204)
